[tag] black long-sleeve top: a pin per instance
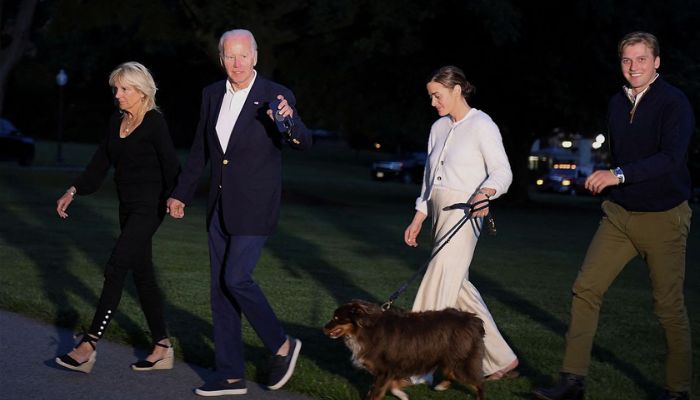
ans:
(145, 163)
(650, 144)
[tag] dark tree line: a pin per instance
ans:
(357, 66)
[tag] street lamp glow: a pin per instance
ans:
(596, 145)
(567, 144)
(61, 78)
(600, 138)
(61, 81)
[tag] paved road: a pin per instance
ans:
(27, 370)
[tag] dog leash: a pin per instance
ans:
(472, 208)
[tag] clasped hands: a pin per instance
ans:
(175, 208)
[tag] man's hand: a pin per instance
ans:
(175, 208)
(599, 180)
(284, 108)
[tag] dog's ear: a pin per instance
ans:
(366, 306)
(362, 312)
(360, 307)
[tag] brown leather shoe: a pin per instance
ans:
(569, 387)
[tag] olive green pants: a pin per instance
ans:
(660, 239)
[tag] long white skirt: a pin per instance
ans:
(446, 281)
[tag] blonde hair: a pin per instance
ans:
(137, 75)
(639, 37)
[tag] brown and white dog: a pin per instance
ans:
(394, 345)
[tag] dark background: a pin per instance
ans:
(358, 67)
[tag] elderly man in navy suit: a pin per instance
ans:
(237, 135)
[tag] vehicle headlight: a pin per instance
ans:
(566, 182)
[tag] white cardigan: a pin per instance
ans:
(465, 156)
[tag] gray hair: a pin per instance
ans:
(237, 32)
(137, 75)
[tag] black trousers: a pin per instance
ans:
(138, 221)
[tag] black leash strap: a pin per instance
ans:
(469, 209)
(289, 124)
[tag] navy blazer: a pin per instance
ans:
(247, 179)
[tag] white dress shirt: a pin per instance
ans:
(230, 110)
(465, 155)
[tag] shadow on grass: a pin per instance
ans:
(58, 282)
(332, 356)
(193, 332)
(48, 246)
(552, 324)
(338, 284)
(49, 250)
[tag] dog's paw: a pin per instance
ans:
(442, 386)
(399, 393)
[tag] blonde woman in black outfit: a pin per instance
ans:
(139, 147)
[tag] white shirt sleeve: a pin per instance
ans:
(499, 175)
(426, 188)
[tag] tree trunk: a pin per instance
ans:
(19, 37)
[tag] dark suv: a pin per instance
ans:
(14, 145)
(407, 169)
(562, 178)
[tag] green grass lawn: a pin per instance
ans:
(340, 237)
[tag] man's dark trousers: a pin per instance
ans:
(233, 292)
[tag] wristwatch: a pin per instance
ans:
(619, 174)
